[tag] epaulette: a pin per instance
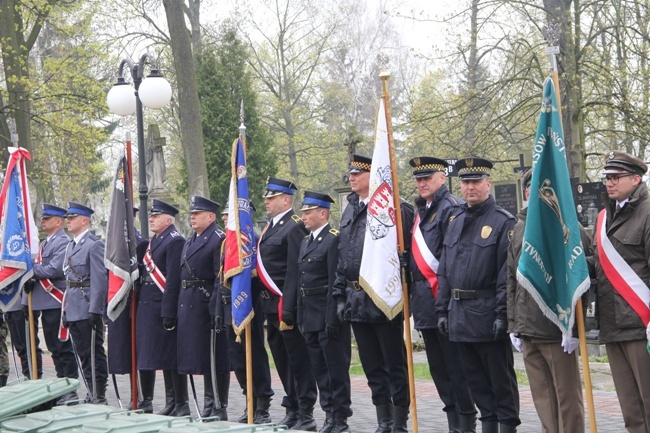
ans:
(334, 232)
(306, 236)
(505, 212)
(174, 233)
(296, 219)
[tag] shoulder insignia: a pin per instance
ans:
(510, 235)
(334, 232)
(306, 236)
(505, 212)
(451, 218)
(174, 234)
(295, 218)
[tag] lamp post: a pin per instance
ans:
(154, 92)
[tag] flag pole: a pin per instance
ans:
(134, 359)
(384, 76)
(553, 51)
(32, 337)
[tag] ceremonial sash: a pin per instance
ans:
(57, 294)
(427, 263)
(268, 282)
(155, 273)
(620, 275)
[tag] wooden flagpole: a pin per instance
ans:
(32, 337)
(384, 76)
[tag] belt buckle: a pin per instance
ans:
(265, 294)
(184, 284)
(356, 286)
(455, 294)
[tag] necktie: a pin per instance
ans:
(270, 224)
(310, 240)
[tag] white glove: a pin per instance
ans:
(516, 341)
(569, 344)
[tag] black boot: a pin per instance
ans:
(340, 424)
(306, 420)
(101, 394)
(208, 397)
(223, 388)
(3, 381)
(505, 428)
(400, 419)
(170, 402)
(328, 424)
(453, 421)
(182, 407)
(384, 418)
(262, 405)
(467, 423)
(147, 384)
(489, 427)
(291, 418)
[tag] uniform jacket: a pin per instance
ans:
(51, 266)
(317, 265)
(431, 224)
(279, 248)
(166, 250)
(474, 258)
(358, 305)
(525, 318)
(629, 232)
(85, 261)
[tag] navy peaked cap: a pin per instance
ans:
(160, 207)
(75, 209)
(202, 204)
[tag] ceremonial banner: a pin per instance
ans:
(120, 257)
(18, 233)
(552, 267)
(379, 274)
(239, 256)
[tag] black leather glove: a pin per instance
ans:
(25, 309)
(340, 309)
(332, 331)
(404, 260)
(96, 321)
(28, 286)
(500, 328)
(216, 323)
(169, 323)
(443, 325)
(288, 318)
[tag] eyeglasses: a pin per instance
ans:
(614, 178)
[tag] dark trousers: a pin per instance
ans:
(62, 353)
(330, 361)
(260, 359)
(490, 373)
(383, 357)
(19, 339)
(447, 373)
(290, 354)
(80, 331)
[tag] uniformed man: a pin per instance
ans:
(4, 354)
(623, 238)
(328, 339)
(84, 305)
(48, 288)
(221, 309)
(433, 202)
(471, 302)
(380, 341)
(157, 311)
(550, 360)
(199, 270)
(277, 256)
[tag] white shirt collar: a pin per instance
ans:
(81, 235)
(278, 217)
(622, 203)
(316, 232)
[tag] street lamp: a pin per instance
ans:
(154, 92)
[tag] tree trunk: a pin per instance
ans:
(188, 100)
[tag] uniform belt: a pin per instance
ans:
(226, 299)
(77, 284)
(146, 279)
(417, 276)
(313, 291)
(195, 283)
(354, 284)
(459, 294)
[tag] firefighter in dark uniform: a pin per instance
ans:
(380, 341)
(472, 304)
(84, 305)
(426, 247)
(221, 309)
(49, 282)
(277, 256)
(157, 309)
(199, 270)
(328, 339)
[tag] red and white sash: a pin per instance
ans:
(261, 270)
(619, 273)
(56, 293)
(424, 258)
(155, 273)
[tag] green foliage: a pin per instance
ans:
(223, 82)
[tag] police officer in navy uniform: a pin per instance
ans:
(48, 269)
(277, 256)
(380, 341)
(199, 270)
(221, 309)
(472, 298)
(433, 202)
(328, 339)
(86, 296)
(157, 312)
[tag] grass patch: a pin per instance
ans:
(420, 371)
(599, 359)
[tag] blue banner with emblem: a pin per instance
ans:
(553, 266)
